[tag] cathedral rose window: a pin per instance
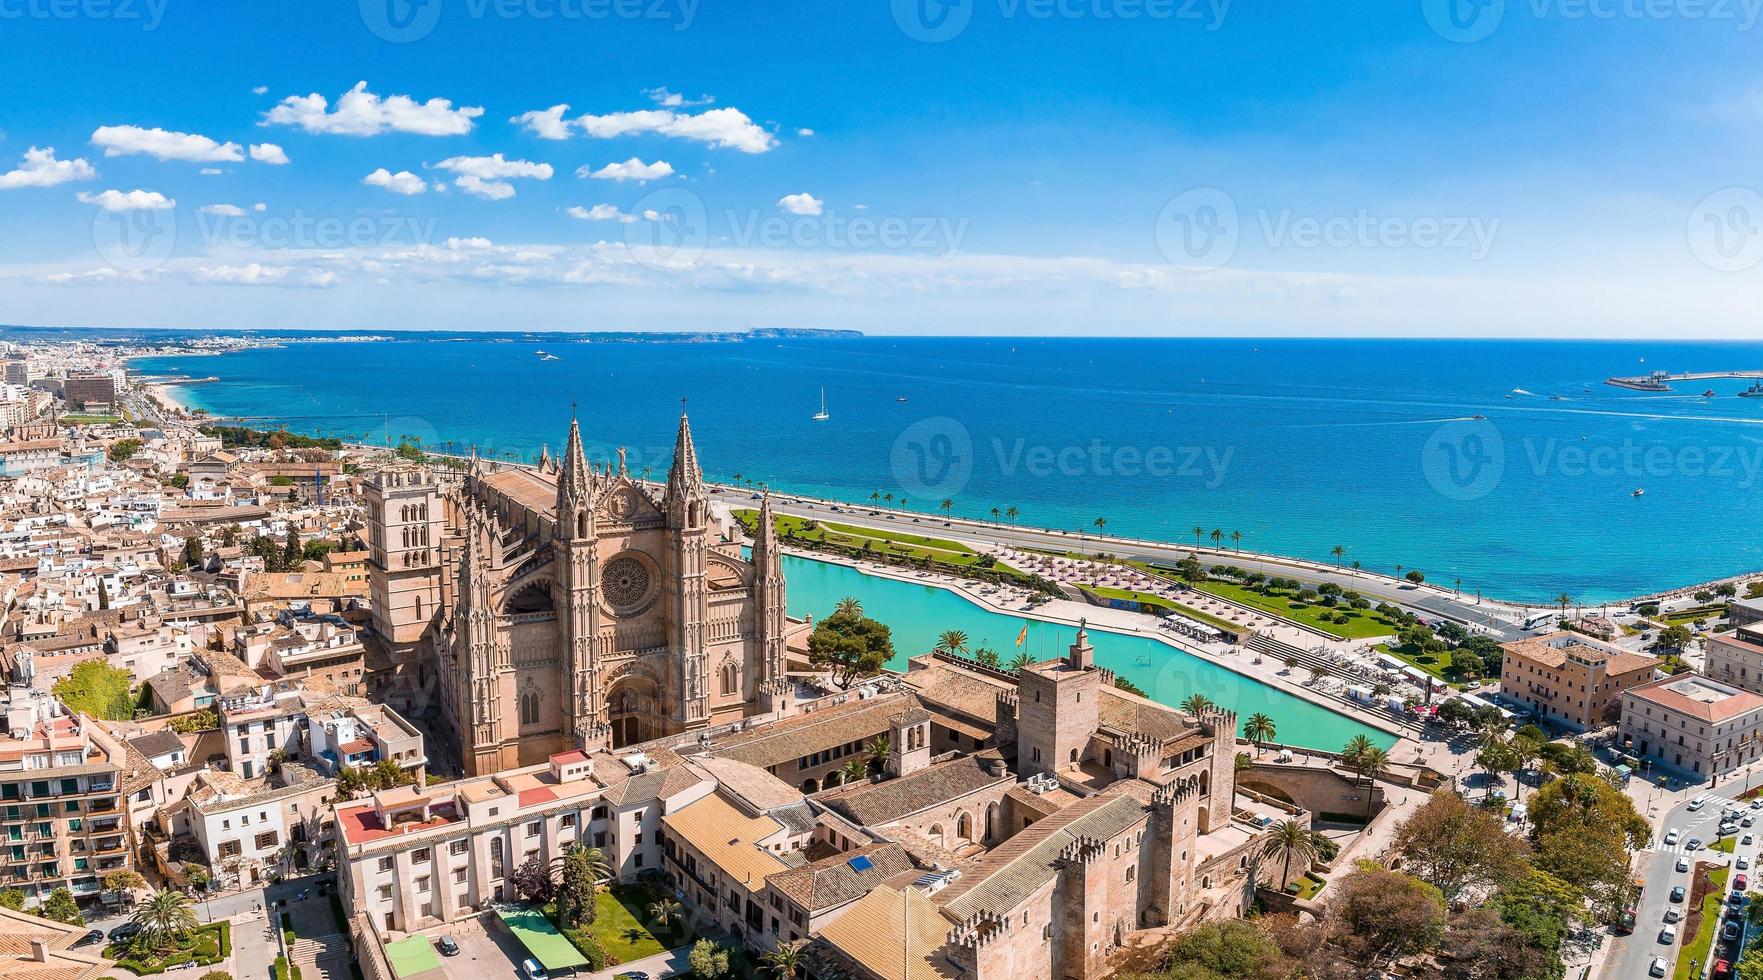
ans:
(625, 582)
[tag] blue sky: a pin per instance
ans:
(1586, 168)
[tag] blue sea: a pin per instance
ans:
(1298, 445)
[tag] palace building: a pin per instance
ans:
(572, 607)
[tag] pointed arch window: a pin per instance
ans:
(529, 707)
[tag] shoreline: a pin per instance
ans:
(1094, 622)
(1496, 606)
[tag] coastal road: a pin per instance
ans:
(1497, 619)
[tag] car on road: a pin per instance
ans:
(1671, 836)
(126, 931)
(91, 936)
(1683, 864)
(1677, 893)
(1698, 803)
(447, 946)
(1693, 844)
(1668, 935)
(1731, 932)
(1749, 821)
(1658, 967)
(632, 975)
(1741, 862)
(531, 970)
(1739, 883)
(1672, 914)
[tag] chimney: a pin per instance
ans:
(40, 950)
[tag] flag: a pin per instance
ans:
(1022, 635)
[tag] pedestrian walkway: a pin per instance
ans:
(319, 950)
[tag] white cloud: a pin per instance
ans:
(120, 141)
(674, 100)
(268, 153)
(362, 113)
(719, 127)
(260, 90)
(546, 124)
(257, 274)
(804, 131)
(41, 169)
(601, 212)
(101, 276)
(632, 169)
(803, 204)
(260, 206)
(402, 182)
(211, 171)
(136, 200)
(224, 210)
(488, 177)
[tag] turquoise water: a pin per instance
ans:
(1301, 445)
(918, 613)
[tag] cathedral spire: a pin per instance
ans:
(684, 474)
(544, 458)
(575, 481)
(765, 550)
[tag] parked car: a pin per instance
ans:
(1677, 893)
(1625, 922)
(531, 970)
(1741, 862)
(1731, 932)
(1672, 914)
(1693, 844)
(447, 946)
(1657, 969)
(1671, 836)
(1738, 884)
(1749, 821)
(91, 936)
(1667, 935)
(1683, 864)
(124, 932)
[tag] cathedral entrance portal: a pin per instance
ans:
(635, 711)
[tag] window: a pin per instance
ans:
(268, 840)
(385, 864)
(420, 856)
(532, 829)
(529, 707)
(385, 893)
(458, 876)
(456, 848)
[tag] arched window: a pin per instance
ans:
(529, 707)
(419, 607)
(964, 827)
(728, 678)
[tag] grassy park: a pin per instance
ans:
(1361, 623)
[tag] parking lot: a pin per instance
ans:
(486, 950)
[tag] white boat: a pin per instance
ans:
(1638, 491)
(821, 415)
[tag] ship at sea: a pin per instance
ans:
(1754, 391)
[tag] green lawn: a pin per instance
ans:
(620, 914)
(412, 955)
(1724, 845)
(1695, 948)
(1436, 664)
(893, 542)
(1361, 623)
(1687, 616)
(80, 418)
(1308, 886)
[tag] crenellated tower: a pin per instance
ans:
(687, 505)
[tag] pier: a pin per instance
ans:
(1661, 380)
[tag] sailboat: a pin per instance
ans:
(821, 415)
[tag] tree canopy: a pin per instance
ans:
(97, 689)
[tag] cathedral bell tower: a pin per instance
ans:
(687, 504)
(579, 567)
(768, 621)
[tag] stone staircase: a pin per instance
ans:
(324, 957)
(1285, 652)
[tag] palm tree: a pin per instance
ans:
(1355, 749)
(666, 914)
(1258, 729)
(880, 747)
(1019, 662)
(1355, 566)
(1338, 551)
(952, 641)
(784, 959)
(889, 496)
(1236, 538)
(996, 513)
(849, 606)
(855, 771)
(1199, 533)
(1289, 839)
(1372, 765)
(1217, 536)
(165, 918)
(1100, 522)
(1563, 600)
(1196, 703)
(948, 506)
(1398, 571)
(1012, 513)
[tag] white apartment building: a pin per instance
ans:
(1694, 723)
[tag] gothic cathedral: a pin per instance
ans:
(565, 606)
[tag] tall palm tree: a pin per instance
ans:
(1258, 729)
(889, 496)
(1338, 551)
(165, 917)
(855, 770)
(1021, 661)
(874, 497)
(1355, 748)
(1217, 536)
(879, 749)
(784, 959)
(1196, 703)
(1199, 534)
(1236, 538)
(666, 914)
(1563, 600)
(948, 506)
(952, 641)
(1398, 571)
(1012, 513)
(1286, 840)
(996, 513)
(849, 606)
(1372, 765)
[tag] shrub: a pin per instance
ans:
(217, 975)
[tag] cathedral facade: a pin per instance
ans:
(568, 606)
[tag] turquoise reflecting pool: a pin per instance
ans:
(918, 613)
